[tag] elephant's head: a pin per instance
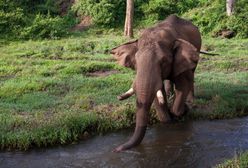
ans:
(155, 57)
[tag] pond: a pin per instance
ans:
(188, 144)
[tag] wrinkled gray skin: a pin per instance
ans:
(166, 52)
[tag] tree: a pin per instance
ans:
(128, 29)
(230, 7)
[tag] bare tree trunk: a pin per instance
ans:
(230, 7)
(128, 30)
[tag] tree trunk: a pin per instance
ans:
(128, 30)
(230, 7)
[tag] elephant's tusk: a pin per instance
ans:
(160, 97)
(130, 91)
(126, 95)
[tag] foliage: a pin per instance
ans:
(12, 18)
(111, 12)
(240, 161)
(155, 10)
(45, 26)
(212, 18)
(49, 96)
(30, 19)
(31, 6)
(105, 13)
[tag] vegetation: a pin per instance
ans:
(59, 91)
(112, 12)
(212, 18)
(221, 81)
(58, 86)
(27, 19)
(48, 95)
(240, 161)
(44, 19)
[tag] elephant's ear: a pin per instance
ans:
(125, 54)
(186, 57)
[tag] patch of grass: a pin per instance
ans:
(47, 96)
(220, 95)
(233, 55)
(240, 161)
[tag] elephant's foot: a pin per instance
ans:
(190, 105)
(190, 98)
(179, 114)
(163, 117)
(189, 102)
(165, 120)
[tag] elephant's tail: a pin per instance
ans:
(206, 53)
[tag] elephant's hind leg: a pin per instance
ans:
(169, 88)
(190, 97)
(170, 93)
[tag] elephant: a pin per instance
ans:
(165, 53)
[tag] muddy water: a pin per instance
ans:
(188, 144)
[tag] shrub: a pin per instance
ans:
(29, 19)
(106, 13)
(211, 18)
(11, 21)
(155, 10)
(162, 8)
(44, 27)
(12, 18)
(112, 12)
(33, 7)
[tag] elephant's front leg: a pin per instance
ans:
(183, 85)
(161, 106)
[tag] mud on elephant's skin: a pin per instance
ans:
(169, 51)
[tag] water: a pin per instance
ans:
(179, 145)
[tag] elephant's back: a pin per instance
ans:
(186, 30)
(169, 30)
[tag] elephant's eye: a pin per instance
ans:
(121, 53)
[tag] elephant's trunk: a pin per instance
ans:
(146, 88)
(135, 140)
(140, 128)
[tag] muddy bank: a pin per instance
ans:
(188, 144)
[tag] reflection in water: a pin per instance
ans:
(179, 145)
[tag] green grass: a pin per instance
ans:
(221, 81)
(240, 161)
(48, 97)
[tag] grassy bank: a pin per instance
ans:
(59, 91)
(240, 161)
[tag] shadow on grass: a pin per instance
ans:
(220, 96)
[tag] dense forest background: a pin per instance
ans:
(39, 19)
